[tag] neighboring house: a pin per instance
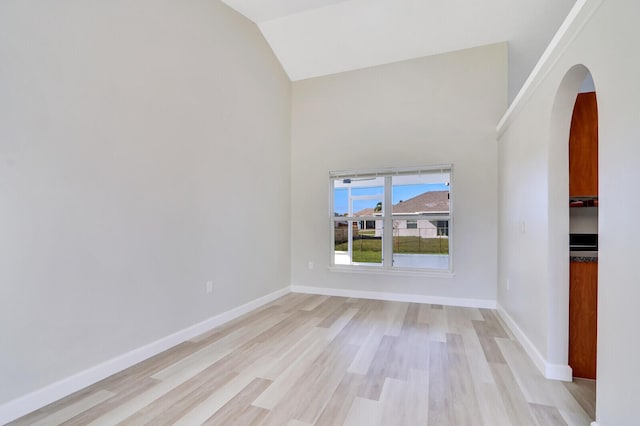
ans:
(368, 224)
(433, 203)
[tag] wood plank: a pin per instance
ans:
(392, 399)
(463, 403)
(545, 415)
(241, 322)
(396, 312)
(378, 370)
(489, 326)
(491, 350)
(313, 302)
(364, 412)
(479, 366)
(439, 413)
(584, 392)
(436, 319)
(298, 349)
(172, 405)
(336, 410)
(72, 410)
(459, 319)
(516, 406)
(238, 410)
(536, 389)
(120, 396)
(234, 389)
(417, 336)
(362, 362)
(304, 360)
(306, 399)
(491, 404)
(219, 348)
(274, 394)
(416, 401)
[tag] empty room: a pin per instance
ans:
(319, 212)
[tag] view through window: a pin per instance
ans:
(398, 218)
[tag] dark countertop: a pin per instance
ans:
(583, 256)
(584, 259)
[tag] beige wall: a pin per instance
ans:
(436, 110)
(132, 133)
(534, 190)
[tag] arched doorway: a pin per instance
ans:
(583, 235)
(573, 271)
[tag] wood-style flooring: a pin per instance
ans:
(319, 360)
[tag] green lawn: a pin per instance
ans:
(420, 245)
(370, 250)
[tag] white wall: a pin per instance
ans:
(349, 35)
(144, 149)
(434, 110)
(534, 189)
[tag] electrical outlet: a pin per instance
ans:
(310, 265)
(209, 287)
(508, 285)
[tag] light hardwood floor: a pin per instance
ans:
(319, 360)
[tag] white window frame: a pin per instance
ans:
(386, 267)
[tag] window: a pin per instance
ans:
(392, 219)
(442, 227)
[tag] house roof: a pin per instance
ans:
(428, 202)
(365, 212)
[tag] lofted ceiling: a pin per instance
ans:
(312, 38)
(265, 10)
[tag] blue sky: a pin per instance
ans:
(400, 192)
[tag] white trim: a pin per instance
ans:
(548, 370)
(560, 372)
(55, 391)
(396, 297)
(579, 15)
(594, 423)
(389, 171)
(387, 225)
(379, 270)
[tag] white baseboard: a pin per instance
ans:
(55, 391)
(594, 423)
(396, 297)
(558, 372)
(548, 370)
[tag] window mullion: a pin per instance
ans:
(387, 236)
(350, 227)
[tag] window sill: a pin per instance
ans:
(375, 270)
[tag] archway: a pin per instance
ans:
(560, 225)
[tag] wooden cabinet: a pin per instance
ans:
(583, 147)
(583, 318)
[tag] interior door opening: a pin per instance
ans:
(583, 228)
(583, 238)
